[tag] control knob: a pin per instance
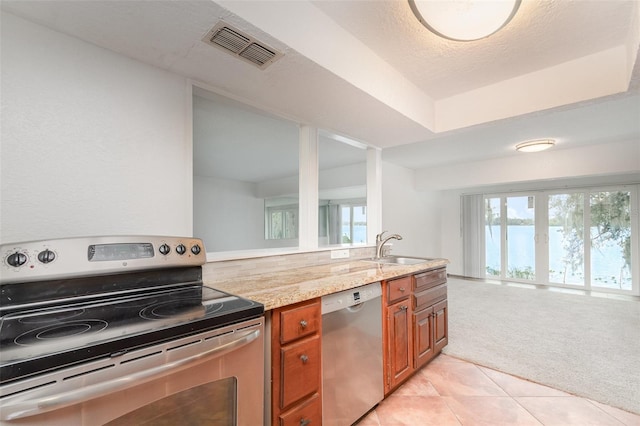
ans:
(46, 256)
(164, 249)
(17, 259)
(181, 249)
(195, 249)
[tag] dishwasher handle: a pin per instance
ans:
(356, 308)
(351, 299)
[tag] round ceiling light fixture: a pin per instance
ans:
(536, 145)
(464, 20)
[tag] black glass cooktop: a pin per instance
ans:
(43, 339)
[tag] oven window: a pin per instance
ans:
(213, 404)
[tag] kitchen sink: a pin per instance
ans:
(401, 260)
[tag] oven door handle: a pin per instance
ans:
(46, 401)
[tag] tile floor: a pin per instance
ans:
(449, 391)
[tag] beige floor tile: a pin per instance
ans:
(627, 418)
(442, 358)
(489, 411)
(461, 379)
(415, 410)
(566, 411)
(370, 419)
(418, 385)
(515, 386)
(474, 395)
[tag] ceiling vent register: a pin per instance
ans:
(241, 45)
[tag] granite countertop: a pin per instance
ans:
(276, 289)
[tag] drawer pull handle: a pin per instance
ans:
(404, 308)
(401, 289)
(304, 359)
(303, 324)
(305, 422)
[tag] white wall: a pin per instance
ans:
(591, 160)
(92, 142)
(451, 230)
(228, 215)
(414, 215)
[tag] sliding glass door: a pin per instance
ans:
(493, 236)
(581, 238)
(610, 233)
(510, 237)
(566, 238)
(520, 241)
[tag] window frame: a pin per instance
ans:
(541, 215)
(284, 210)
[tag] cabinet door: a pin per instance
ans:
(300, 370)
(400, 341)
(308, 413)
(440, 325)
(423, 337)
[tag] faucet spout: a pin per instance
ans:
(381, 242)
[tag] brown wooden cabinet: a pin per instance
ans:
(296, 364)
(415, 325)
(397, 336)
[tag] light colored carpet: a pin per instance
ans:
(588, 346)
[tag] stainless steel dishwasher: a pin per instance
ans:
(352, 379)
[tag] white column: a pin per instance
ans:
(308, 216)
(374, 194)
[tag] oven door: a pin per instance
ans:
(212, 378)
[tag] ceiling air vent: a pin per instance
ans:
(242, 45)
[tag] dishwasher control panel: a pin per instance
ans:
(355, 296)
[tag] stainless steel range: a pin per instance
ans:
(121, 330)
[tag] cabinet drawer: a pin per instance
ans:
(399, 289)
(300, 370)
(430, 279)
(299, 321)
(307, 413)
(429, 296)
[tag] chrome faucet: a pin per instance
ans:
(380, 242)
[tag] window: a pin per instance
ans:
(610, 234)
(354, 224)
(520, 240)
(581, 238)
(566, 238)
(342, 187)
(282, 222)
(510, 237)
(493, 246)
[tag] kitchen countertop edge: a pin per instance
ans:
(282, 288)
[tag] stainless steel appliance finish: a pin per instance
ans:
(352, 377)
(211, 378)
(87, 256)
(119, 329)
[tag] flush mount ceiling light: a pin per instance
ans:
(464, 20)
(535, 146)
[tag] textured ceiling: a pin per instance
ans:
(542, 34)
(368, 70)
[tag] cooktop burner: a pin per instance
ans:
(44, 339)
(68, 301)
(49, 333)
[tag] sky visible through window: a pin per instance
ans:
(563, 243)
